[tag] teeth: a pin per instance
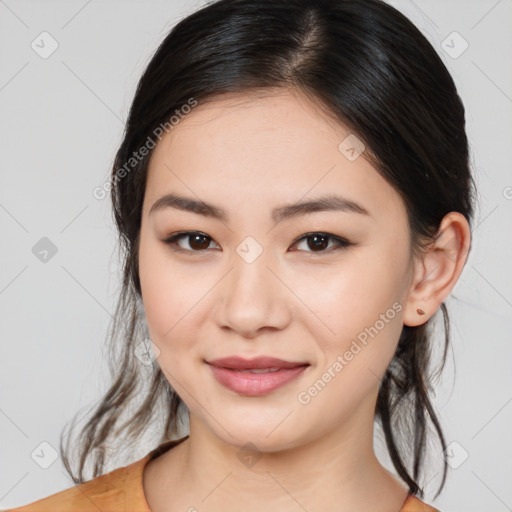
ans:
(260, 370)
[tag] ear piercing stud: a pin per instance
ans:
(420, 311)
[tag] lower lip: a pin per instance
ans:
(255, 384)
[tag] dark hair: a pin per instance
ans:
(367, 66)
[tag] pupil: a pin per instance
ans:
(317, 245)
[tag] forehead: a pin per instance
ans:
(269, 147)
(277, 120)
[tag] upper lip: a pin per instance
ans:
(240, 363)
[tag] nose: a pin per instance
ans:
(253, 298)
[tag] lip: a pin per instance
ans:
(240, 363)
(227, 372)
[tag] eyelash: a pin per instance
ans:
(342, 243)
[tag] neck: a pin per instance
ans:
(335, 468)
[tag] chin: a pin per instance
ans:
(259, 440)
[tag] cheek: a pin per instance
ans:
(167, 293)
(359, 305)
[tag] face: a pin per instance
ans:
(323, 287)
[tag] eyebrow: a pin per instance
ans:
(321, 204)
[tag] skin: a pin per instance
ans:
(248, 155)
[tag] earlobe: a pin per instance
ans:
(439, 269)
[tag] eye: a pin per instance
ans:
(199, 242)
(320, 241)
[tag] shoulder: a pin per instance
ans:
(119, 491)
(414, 504)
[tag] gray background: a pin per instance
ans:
(61, 119)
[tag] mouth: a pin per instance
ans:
(267, 363)
(257, 370)
(255, 377)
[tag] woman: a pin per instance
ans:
(294, 198)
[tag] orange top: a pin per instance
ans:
(121, 491)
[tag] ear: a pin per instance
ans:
(438, 270)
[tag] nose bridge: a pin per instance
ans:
(253, 296)
(251, 278)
